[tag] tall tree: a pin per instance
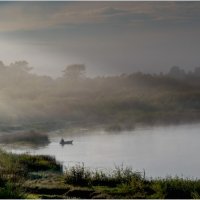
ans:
(75, 71)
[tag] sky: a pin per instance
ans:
(108, 37)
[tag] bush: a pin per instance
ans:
(78, 175)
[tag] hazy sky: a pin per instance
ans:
(108, 37)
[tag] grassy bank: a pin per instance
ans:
(26, 176)
(125, 183)
(16, 169)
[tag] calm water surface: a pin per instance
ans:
(161, 151)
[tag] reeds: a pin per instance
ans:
(79, 175)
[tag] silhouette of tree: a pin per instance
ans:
(176, 72)
(22, 66)
(74, 72)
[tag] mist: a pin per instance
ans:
(99, 84)
(114, 41)
(110, 38)
(30, 101)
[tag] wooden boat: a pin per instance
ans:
(63, 142)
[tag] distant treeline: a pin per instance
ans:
(116, 102)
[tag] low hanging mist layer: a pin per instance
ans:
(120, 101)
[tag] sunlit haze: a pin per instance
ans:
(108, 37)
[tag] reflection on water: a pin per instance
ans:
(160, 151)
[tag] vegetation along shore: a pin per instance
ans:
(28, 176)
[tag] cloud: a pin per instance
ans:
(108, 11)
(40, 15)
(109, 37)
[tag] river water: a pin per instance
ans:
(160, 151)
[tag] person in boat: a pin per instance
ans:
(62, 141)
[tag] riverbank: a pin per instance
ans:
(26, 176)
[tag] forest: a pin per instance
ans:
(112, 102)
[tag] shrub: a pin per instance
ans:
(78, 175)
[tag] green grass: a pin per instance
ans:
(38, 163)
(79, 175)
(15, 169)
(124, 183)
(11, 191)
(26, 176)
(23, 164)
(177, 188)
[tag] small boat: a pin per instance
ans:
(63, 142)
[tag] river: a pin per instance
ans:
(160, 151)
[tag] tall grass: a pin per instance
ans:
(11, 191)
(11, 176)
(124, 183)
(15, 169)
(79, 175)
(119, 183)
(20, 165)
(38, 163)
(177, 188)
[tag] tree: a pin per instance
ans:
(75, 71)
(2, 66)
(176, 72)
(21, 65)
